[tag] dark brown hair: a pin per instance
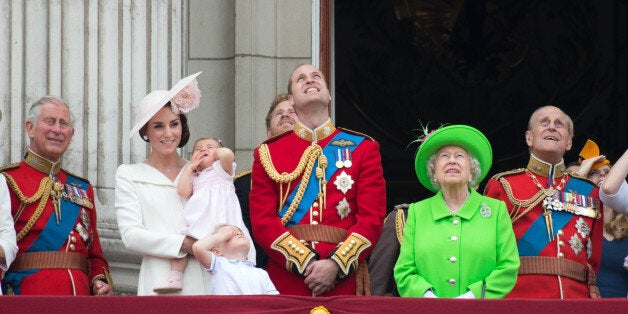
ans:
(185, 129)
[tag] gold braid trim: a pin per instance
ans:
(517, 203)
(42, 194)
(400, 223)
(311, 153)
(305, 163)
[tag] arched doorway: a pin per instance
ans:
(400, 65)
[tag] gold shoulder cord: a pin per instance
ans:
(305, 163)
(42, 194)
(518, 204)
(400, 223)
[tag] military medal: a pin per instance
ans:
(347, 158)
(339, 163)
(81, 230)
(84, 217)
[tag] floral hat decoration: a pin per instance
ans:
(469, 138)
(184, 97)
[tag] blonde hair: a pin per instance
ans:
(617, 225)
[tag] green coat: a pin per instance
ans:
(474, 250)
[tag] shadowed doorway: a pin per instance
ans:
(400, 65)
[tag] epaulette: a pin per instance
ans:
(577, 176)
(356, 133)
(9, 167)
(74, 175)
(507, 173)
(242, 174)
(276, 137)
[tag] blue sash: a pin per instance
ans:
(55, 234)
(311, 191)
(535, 239)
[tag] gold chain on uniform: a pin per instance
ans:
(305, 163)
(529, 203)
(42, 194)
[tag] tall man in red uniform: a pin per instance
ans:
(556, 216)
(54, 213)
(318, 198)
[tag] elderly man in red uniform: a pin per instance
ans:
(318, 198)
(556, 216)
(55, 218)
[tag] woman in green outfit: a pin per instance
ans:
(457, 243)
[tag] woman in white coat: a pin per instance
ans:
(148, 208)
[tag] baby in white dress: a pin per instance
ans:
(208, 182)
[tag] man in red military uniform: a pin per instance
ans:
(556, 216)
(54, 213)
(318, 198)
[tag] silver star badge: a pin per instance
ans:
(343, 208)
(343, 182)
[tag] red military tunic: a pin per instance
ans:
(351, 206)
(568, 235)
(35, 274)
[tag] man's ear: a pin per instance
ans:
(30, 128)
(529, 138)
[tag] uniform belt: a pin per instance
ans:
(543, 265)
(318, 233)
(49, 260)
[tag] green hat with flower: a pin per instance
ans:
(469, 138)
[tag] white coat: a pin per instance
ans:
(8, 241)
(150, 219)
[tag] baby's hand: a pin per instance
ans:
(227, 232)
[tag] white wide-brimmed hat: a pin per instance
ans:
(159, 98)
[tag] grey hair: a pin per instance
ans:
(533, 118)
(35, 109)
(474, 166)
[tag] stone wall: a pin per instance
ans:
(103, 56)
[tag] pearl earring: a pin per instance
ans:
(145, 137)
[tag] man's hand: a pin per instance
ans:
(101, 288)
(320, 276)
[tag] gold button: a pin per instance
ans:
(561, 243)
(560, 232)
(73, 239)
(315, 213)
(315, 204)
(560, 254)
(72, 247)
(315, 222)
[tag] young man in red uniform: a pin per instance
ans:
(318, 198)
(55, 217)
(557, 218)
